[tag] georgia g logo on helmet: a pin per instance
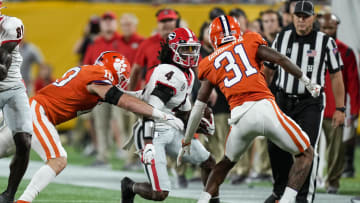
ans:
(172, 36)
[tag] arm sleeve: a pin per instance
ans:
(333, 59)
(98, 76)
(14, 30)
(194, 120)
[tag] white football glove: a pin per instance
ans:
(169, 119)
(313, 88)
(185, 149)
(148, 154)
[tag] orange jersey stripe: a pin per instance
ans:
(306, 141)
(47, 133)
(293, 137)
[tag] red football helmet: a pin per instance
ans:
(224, 29)
(185, 47)
(118, 65)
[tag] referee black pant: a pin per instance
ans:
(307, 112)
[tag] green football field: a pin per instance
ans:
(59, 193)
(69, 193)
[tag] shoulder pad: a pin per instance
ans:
(12, 23)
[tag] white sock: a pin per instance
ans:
(38, 182)
(288, 196)
(204, 197)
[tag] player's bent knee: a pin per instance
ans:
(309, 153)
(307, 156)
(58, 164)
(160, 195)
(22, 142)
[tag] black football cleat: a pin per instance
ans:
(5, 199)
(127, 194)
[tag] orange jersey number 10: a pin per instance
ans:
(69, 75)
(233, 66)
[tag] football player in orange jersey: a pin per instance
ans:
(78, 91)
(235, 66)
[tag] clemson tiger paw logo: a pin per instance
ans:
(120, 65)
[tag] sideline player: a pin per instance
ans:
(14, 101)
(78, 91)
(167, 90)
(235, 66)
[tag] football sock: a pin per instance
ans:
(288, 196)
(204, 197)
(38, 182)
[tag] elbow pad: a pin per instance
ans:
(113, 95)
(148, 128)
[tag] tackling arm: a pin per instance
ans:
(114, 95)
(120, 99)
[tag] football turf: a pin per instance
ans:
(60, 193)
(68, 193)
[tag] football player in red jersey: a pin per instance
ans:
(235, 66)
(78, 91)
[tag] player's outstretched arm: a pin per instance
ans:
(268, 54)
(113, 95)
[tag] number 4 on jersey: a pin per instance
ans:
(169, 75)
(232, 65)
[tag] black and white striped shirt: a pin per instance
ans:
(314, 54)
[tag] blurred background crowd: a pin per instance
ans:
(102, 133)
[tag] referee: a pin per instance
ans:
(315, 53)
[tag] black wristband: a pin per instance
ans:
(342, 109)
(113, 95)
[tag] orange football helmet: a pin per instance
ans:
(118, 65)
(224, 29)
